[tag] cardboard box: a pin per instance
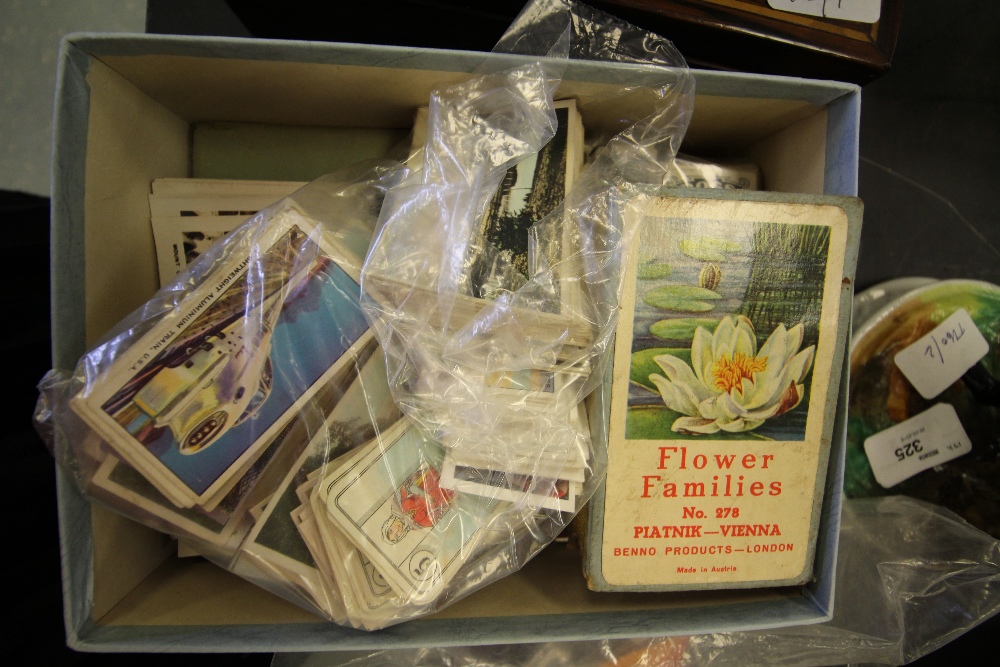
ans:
(127, 111)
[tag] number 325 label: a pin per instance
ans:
(933, 437)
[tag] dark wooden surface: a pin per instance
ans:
(747, 35)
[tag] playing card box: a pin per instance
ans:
(724, 392)
(127, 111)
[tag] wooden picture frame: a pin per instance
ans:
(749, 35)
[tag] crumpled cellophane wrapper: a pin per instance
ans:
(357, 400)
(489, 363)
(911, 577)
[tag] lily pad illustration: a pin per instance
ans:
(654, 270)
(683, 298)
(709, 249)
(681, 329)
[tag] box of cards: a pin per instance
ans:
(724, 392)
(135, 109)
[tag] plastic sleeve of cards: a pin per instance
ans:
(369, 398)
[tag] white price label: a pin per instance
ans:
(935, 361)
(862, 11)
(933, 437)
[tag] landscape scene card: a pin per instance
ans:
(729, 348)
(529, 191)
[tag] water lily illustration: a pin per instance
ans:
(731, 385)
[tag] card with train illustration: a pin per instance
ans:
(193, 402)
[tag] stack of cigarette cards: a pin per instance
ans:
(381, 532)
(375, 534)
(189, 214)
(196, 402)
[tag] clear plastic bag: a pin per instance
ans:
(375, 440)
(497, 382)
(911, 577)
(180, 412)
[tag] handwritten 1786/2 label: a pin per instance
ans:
(708, 513)
(936, 360)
